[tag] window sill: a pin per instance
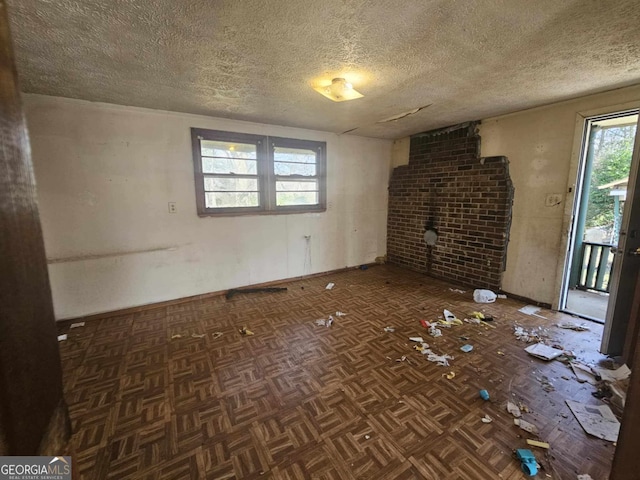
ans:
(262, 212)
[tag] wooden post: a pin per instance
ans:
(626, 461)
(33, 416)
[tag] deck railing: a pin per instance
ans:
(595, 272)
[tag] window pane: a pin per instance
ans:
(230, 184)
(226, 200)
(296, 198)
(283, 168)
(229, 165)
(296, 186)
(214, 148)
(299, 155)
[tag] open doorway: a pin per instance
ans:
(603, 178)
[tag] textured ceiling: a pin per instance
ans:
(255, 60)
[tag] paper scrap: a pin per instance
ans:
(583, 373)
(536, 443)
(245, 331)
(531, 310)
(435, 332)
(607, 375)
(582, 327)
(341, 314)
(502, 295)
(585, 476)
(466, 348)
(526, 426)
(441, 360)
(545, 352)
(321, 322)
(177, 335)
(215, 335)
(402, 358)
(596, 420)
(448, 316)
(528, 336)
(330, 285)
(416, 339)
(77, 325)
(456, 290)
(389, 329)
(513, 409)
(486, 419)
(62, 337)
(198, 335)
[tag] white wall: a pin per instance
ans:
(543, 154)
(105, 174)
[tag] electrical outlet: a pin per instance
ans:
(553, 199)
(172, 207)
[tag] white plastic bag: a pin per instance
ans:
(484, 296)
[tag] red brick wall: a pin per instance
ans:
(469, 200)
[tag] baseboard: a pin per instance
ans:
(167, 303)
(529, 301)
(466, 285)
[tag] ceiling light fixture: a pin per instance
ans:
(339, 90)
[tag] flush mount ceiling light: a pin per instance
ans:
(339, 90)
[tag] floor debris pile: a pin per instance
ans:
(536, 334)
(541, 345)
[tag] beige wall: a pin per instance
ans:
(105, 174)
(543, 153)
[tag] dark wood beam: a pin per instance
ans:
(626, 461)
(33, 415)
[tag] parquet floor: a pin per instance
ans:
(298, 401)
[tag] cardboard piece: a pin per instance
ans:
(596, 420)
(526, 426)
(607, 375)
(545, 352)
(583, 373)
(513, 409)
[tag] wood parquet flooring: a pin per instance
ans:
(299, 401)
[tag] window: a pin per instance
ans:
(239, 173)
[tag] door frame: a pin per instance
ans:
(572, 198)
